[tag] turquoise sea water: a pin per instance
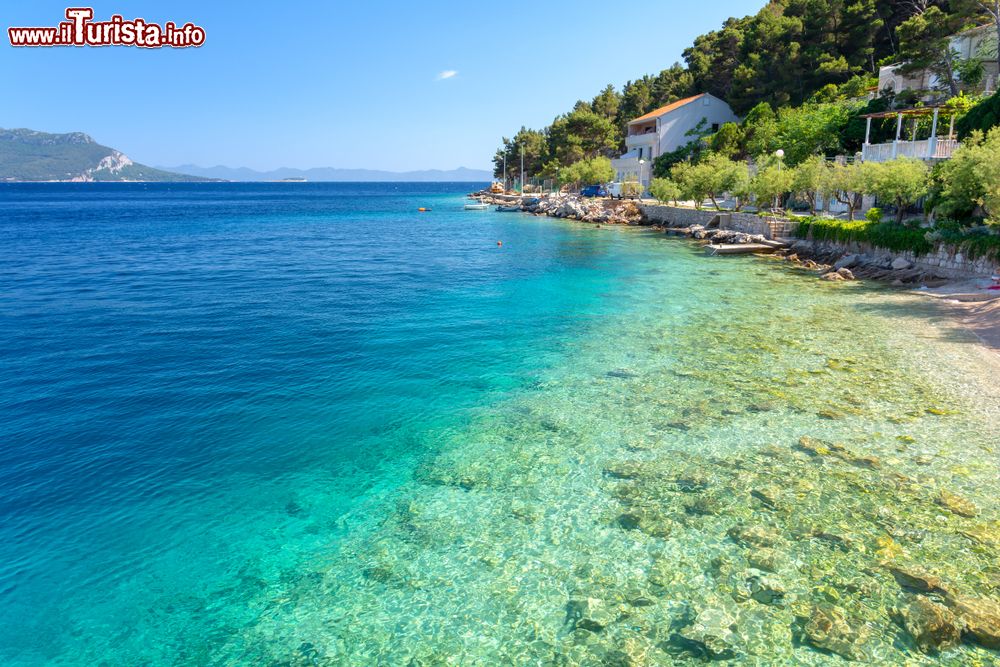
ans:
(305, 424)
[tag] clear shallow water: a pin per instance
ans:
(303, 423)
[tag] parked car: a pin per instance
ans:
(594, 191)
(630, 190)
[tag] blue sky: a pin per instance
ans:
(357, 85)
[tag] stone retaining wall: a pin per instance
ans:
(674, 216)
(945, 261)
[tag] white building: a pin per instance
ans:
(975, 43)
(665, 130)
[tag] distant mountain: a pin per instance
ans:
(27, 155)
(332, 174)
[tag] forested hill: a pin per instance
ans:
(27, 155)
(783, 55)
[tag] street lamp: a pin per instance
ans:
(780, 154)
(639, 177)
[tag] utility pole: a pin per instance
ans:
(505, 171)
(522, 170)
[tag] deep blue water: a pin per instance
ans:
(184, 368)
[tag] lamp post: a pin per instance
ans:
(639, 178)
(780, 154)
(522, 170)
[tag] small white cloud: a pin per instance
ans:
(447, 74)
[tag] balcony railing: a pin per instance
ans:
(925, 149)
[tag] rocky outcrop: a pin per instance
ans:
(573, 207)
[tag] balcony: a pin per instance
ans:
(642, 140)
(931, 148)
(925, 149)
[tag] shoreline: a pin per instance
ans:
(965, 301)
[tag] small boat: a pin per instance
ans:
(476, 207)
(508, 209)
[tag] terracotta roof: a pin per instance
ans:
(667, 109)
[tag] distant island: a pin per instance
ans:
(33, 156)
(29, 155)
(333, 174)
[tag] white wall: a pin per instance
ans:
(673, 127)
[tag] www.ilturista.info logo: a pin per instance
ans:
(81, 30)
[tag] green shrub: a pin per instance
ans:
(876, 233)
(874, 215)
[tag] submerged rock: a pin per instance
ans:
(956, 504)
(704, 506)
(830, 629)
(754, 536)
(765, 559)
(813, 446)
(766, 590)
(916, 579)
(712, 635)
(624, 470)
(980, 619)
(767, 495)
(587, 614)
(932, 626)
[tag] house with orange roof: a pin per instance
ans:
(665, 130)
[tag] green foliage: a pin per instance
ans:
(793, 48)
(902, 181)
(607, 103)
(728, 141)
(846, 183)
(771, 182)
(983, 117)
(881, 234)
(536, 153)
(665, 190)
(631, 189)
(809, 180)
(710, 177)
(581, 134)
(588, 172)
(974, 242)
(925, 44)
(972, 177)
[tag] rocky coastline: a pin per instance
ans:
(831, 261)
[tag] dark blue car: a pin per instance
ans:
(594, 191)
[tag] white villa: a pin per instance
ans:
(971, 44)
(666, 129)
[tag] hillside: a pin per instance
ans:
(28, 155)
(461, 174)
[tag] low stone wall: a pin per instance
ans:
(945, 261)
(748, 223)
(672, 216)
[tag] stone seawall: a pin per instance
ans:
(748, 223)
(945, 261)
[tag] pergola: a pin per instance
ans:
(915, 112)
